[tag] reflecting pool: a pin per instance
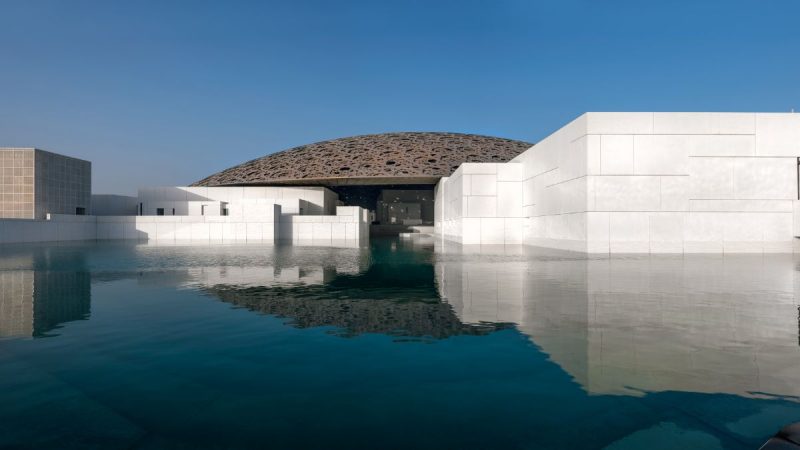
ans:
(402, 344)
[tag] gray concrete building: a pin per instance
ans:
(34, 183)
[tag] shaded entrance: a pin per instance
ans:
(394, 208)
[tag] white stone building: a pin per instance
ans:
(604, 183)
(637, 182)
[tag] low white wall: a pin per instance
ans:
(315, 200)
(196, 228)
(481, 204)
(350, 227)
(62, 228)
(351, 223)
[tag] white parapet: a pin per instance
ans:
(349, 228)
(349, 225)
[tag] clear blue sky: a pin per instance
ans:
(166, 92)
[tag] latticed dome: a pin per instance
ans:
(399, 158)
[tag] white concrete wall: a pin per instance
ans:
(195, 228)
(554, 188)
(314, 200)
(350, 224)
(691, 182)
(643, 183)
(350, 227)
(64, 228)
(481, 204)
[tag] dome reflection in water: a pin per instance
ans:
(399, 344)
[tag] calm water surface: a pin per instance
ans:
(398, 345)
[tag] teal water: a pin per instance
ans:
(122, 345)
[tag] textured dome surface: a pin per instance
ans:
(412, 157)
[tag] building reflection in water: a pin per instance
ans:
(625, 325)
(353, 292)
(642, 324)
(35, 302)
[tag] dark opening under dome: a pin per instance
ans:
(389, 158)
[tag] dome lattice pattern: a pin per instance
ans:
(416, 156)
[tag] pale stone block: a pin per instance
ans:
(165, 231)
(509, 172)
(777, 226)
(629, 247)
(338, 231)
(666, 227)
(703, 247)
(683, 123)
(765, 178)
(509, 199)
(590, 193)
(253, 231)
(666, 247)
(742, 227)
(704, 227)
(741, 205)
(711, 178)
(481, 207)
(305, 231)
(200, 231)
(572, 160)
(660, 155)
(254, 192)
(675, 193)
(628, 227)
(719, 145)
(616, 155)
(483, 185)
(778, 134)
(593, 154)
(627, 193)
(779, 246)
(513, 231)
(733, 123)
(572, 196)
(215, 231)
(471, 231)
(147, 229)
(598, 228)
(103, 231)
(528, 192)
(116, 231)
(743, 247)
(268, 232)
(478, 168)
(183, 231)
(351, 231)
(240, 230)
(466, 185)
(321, 231)
(618, 123)
(598, 247)
(492, 231)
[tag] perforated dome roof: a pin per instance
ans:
(389, 158)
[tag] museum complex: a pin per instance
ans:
(604, 183)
